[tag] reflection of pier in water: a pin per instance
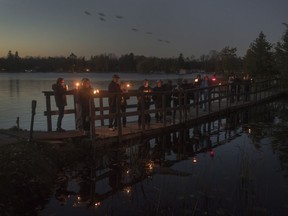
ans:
(117, 169)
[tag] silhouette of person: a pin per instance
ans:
(60, 90)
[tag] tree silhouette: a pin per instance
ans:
(282, 54)
(259, 59)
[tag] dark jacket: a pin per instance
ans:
(113, 88)
(60, 95)
(147, 96)
(83, 97)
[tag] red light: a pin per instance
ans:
(211, 153)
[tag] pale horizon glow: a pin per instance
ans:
(161, 28)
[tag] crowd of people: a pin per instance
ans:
(181, 94)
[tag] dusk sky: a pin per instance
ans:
(161, 28)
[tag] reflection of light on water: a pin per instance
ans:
(128, 190)
(150, 165)
(194, 160)
(249, 131)
(97, 204)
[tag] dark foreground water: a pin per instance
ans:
(234, 165)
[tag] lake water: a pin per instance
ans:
(233, 165)
(17, 90)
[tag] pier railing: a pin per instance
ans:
(190, 103)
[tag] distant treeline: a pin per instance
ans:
(261, 59)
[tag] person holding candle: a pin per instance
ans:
(123, 103)
(144, 97)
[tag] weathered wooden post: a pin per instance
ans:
(101, 109)
(142, 111)
(17, 123)
(118, 116)
(164, 108)
(48, 109)
(210, 90)
(34, 103)
(92, 119)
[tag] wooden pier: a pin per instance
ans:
(220, 101)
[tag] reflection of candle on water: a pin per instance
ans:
(194, 160)
(97, 204)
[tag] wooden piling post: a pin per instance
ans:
(48, 109)
(34, 103)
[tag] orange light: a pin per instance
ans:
(96, 91)
(77, 85)
(128, 85)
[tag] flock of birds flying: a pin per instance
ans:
(102, 17)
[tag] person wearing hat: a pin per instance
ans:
(113, 89)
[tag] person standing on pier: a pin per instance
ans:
(113, 88)
(205, 91)
(145, 97)
(168, 87)
(60, 90)
(197, 94)
(157, 98)
(177, 97)
(123, 103)
(83, 98)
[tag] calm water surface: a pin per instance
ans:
(236, 165)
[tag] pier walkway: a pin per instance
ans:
(221, 101)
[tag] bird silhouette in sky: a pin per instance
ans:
(102, 17)
(285, 24)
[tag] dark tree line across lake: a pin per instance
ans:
(262, 59)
